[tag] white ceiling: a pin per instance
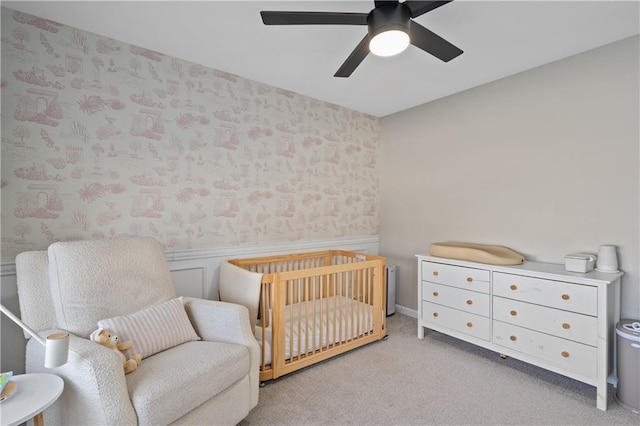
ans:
(499, 38)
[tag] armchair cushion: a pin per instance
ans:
(192, 373)
(154, 329)
(96, 279)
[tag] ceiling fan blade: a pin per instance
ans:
(421, 7)
(380, 3)
(432, 43)
(313, 18)
(357, 56)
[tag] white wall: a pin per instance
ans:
(545, 162)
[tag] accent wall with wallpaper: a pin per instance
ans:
(102, 139)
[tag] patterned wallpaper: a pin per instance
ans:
(102, 139)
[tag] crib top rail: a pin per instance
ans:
(298, 261)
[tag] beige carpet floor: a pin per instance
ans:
(438, 380)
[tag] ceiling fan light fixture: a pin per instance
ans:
(389, 29)
(389, 43)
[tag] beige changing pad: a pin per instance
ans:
(482, 253)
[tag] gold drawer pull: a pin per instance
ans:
(435, 314)
(566, 326)
(435, 273)
(513, 287)
(435, 294)
(565, 354)
(513, 313)
(469, 279)
(469, 302)
(565, 297)
(513, 338)
(469, 324)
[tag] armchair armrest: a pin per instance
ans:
(219, 321)
(226, 322)
(93, 379)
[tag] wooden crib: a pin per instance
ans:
(314, 306)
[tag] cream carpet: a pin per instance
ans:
(438, 380)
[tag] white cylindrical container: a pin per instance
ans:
(56, 350)
(607, 259)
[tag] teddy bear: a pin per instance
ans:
(107, 337)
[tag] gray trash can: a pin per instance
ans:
(628, 356)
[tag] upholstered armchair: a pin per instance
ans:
(202, 369)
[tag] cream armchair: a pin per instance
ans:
(74, 285)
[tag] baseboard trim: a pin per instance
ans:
(413, 313)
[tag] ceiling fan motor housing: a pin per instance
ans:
(389, 17)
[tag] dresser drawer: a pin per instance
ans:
(571, 356)
(454, 319)
(567, 325)
(557, 294)
(453, 297)
(456, 276)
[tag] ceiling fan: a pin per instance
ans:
(391, 29)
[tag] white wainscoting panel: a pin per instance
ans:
(189, 281)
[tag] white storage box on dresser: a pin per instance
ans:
(536, 312)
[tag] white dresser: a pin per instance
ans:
(535, 312)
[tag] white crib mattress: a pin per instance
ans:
(317, 324)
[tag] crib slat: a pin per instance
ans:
(355, 298)
(359, 308)
(328, 293)
(305, 285)
(263, 326)
(277, 330)
(368, 299)
(314, 315)
(365, 300)
(338, 321)
(292, 316)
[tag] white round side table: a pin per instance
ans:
(34, 393)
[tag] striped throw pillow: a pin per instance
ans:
(153, 329)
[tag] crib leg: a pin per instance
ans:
(263, 384)
(385, 337)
